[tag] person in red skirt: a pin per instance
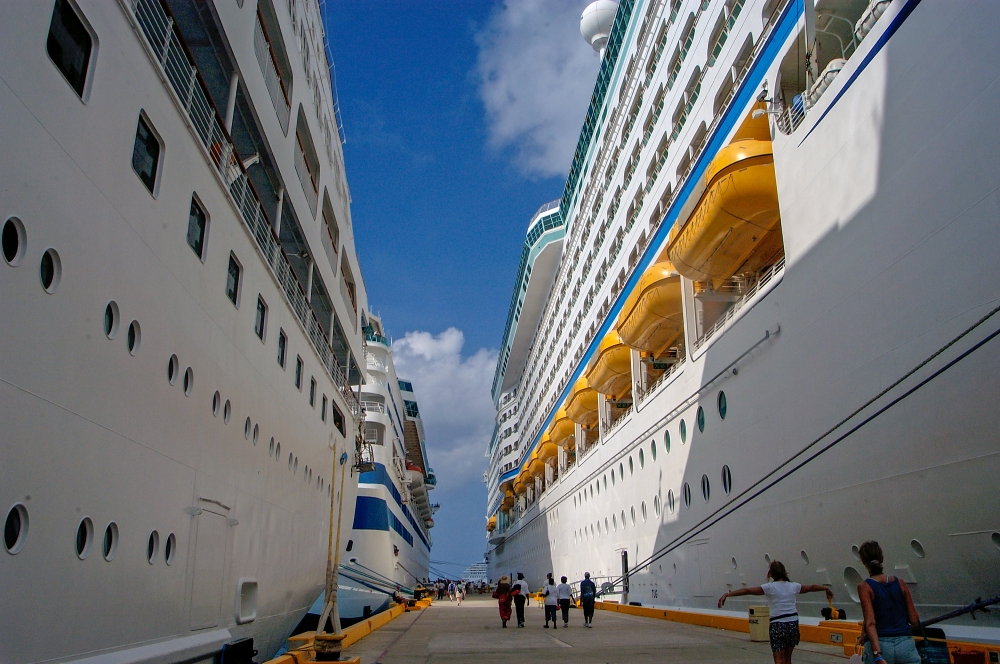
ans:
(504, 595)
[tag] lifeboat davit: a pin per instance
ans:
(546, 448)
(735, 228)
(562, 428)
(652, 317)
(611, 372)
(491, 524)
(581, 405)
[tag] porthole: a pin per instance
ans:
(173, 369)
(656, 506)
(623, 519)
(270, 447)
(631, 468)
(687, 494)
(227, 411)
(256, 433)
(152, 547)
(632, 512)
(727, 480)
(856, 552)
(110, 545)
(666, 442)
(767, 558)
(706, 489)
(652, 449)
(133, 337)
(170, 549)
(50, 270)
(188, 381)
(277, 451)
(621, 472)
(84, 538)
(722, 405)
(612, 477)
(598, 487)
(605, 482)
(246, 429)
(683, 432)
(216, 403)
(995, 537)
(853, 579)
(614, 522)
(15, 527)
(671, 504)
(606, 531)
(642, 511)
(14, 241)
(918, 548)
(642, 459)
(111, 318)
(700, 419)
(804, 556)
(290, 459)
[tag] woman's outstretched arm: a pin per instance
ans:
(814, 588)
(755, 590)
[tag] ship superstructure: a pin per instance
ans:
(183, 308)
(767, 333)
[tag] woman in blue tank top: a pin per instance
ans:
(888, 612)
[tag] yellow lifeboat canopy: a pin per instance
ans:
(491, 524)
(507, 503)
(507, 487)
(546, 448)
(521, 483)
(562, 428)
(536, 467)
(735, 228)
(581, 405)
(652, 317)
(611, 372)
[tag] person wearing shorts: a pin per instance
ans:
(889, 614)
(781, 596)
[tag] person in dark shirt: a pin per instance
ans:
(888, 611)
(588, 593)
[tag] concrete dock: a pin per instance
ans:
(472, 633)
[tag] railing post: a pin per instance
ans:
(166, 42)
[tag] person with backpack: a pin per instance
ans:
(588, 594)
(551, 602)
(521, 598)
(889, 614)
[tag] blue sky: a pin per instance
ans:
(461, 119)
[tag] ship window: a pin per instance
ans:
(706, 489)
(84, 538)
(687, 494)
(260, 321)
(666, 442)
(804, 556)
(282, 345)
(632, 511)
(652, 449)
(50, 270)
(671, 504)
(700, 419)
(643, 511)
(684, 432)
(918, 548)
(995, 537)
(270, 447)
(298, 372)
(146, 154)
(173, 368)
(133, 337)
(322, 413)
(233, 280)
(642, 459)
(14, 241)
(598, 487)
(656, 506)
(312, 391)
(188, 381)
(110, 541)
(227, 410)
(290, 459)
(605, 482)
(111, 320)
(623, 519)
(216, 403)
(15, 529)
(152, 547)
(722, 405)
(246, 429)
(621, 472)
(614, 522)
(256, 433)
(70, 45)
(338, 418)
(170, 550)
(197, 228)
(727, 480)
(631, 467)
(277, 452)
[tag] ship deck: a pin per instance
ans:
(472, 632)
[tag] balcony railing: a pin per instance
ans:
(309, 185)
(373, 406)
(671, 370)
(275, 86)
(171, 55)
(776, 269)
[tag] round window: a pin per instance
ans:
(652, 449)
(623, 518)
(918, 548)
(656, 506)
(666, 442)
(700, 419)
(246, 429)
(614, 522)
(632, 511)
(15, 528)
(256, 433)
(687, 494)
(643, 511)
(631, 468)
(270, 447)
(706, 490)
(173, 369)
(727, 480)
(170, 550)
(84, 538)
(227, 410)
(111, 317)
(133, 337)
(722, 405)
(14, 241)
(152, 547)
(216, 403)
(188, 381)
(642, 459)
(110, 546)
(50, 270)
(671, 503)
(684, 432)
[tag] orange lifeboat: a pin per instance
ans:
(735, 227)
(491, 524)
(522, 481)
(652, 317)
(546, 448)
(581, 405)
(507, 487)
(611, 372)
(562, 428)
(507, 503)
(536, 467)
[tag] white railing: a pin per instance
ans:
(170, 55)
(373, 406)
(619, 421)
(775, 270)
(671, 370)
(276, 88)
(306, 178)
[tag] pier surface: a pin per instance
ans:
(472, 633)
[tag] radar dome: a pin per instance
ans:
(596, 22)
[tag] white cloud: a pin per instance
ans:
(453, 393)
(536, 76)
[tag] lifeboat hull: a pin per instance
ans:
(653, 316)
(562, 428)
(737, 216)
(537, 468)
(611, 372)
(581, 406)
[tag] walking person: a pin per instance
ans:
(781, 600)
(551, 602)
(521, 598)
(459, 593)
(503, 595)
(889, 614)
(588, 594)
(565, 594)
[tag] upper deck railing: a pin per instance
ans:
(174, 60)
(275, 86)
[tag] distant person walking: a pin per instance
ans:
(521, 598)
(588, 594)
(503, 595)
(888, 612)
(459, 593)
(551, 602)
(565, 595)
(781, 599)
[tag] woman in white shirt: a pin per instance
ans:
(781, 596)
(551, 602)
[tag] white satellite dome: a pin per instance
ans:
(596, 22)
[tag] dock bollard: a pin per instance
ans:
(760, 623)
(328, 647)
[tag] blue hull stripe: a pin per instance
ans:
(380, 476)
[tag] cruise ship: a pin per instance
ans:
(760, 322)
(184, 315)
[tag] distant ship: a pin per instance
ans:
(760, 322)
(184, 318)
